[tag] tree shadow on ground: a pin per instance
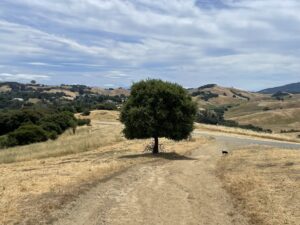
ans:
(162, 155)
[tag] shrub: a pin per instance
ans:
(207, 86)
(86, 113)
(51, 126)
(63, 119)
(205, 95)
(26, 134)
(209, 117)
(52, 135)
(106, 106)
(3, 141)
(216, 116)
(82, 122)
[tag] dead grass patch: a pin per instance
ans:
(250, 133)
(86, 138)
(265, 184)
(33, 192)
(101, 115)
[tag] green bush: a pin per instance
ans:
(26, 134)
(63, 119)
(216, 116)
(82, 122)
(106, 106)
(3, 141)
(52, 126)
(52, 135)
(86, 113)
(209, 117)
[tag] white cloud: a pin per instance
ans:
(22, 77)
(174, 39)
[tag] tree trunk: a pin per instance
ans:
(155, 147)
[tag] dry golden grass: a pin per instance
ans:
(281, 115)
(86, 138)
(67, 92)
(280, 119)
(37, 180)
(265, 184)
(5, 88)
(249, 133)
(101, 115)
(114, 92)
(31, 191)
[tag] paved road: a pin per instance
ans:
(236, 140)
(240, 140)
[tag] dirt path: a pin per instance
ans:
(182, 191)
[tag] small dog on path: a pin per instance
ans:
(224, 152)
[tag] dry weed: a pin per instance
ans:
(265, 184)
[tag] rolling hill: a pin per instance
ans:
(213, 95)
(268, 111)
(290, 88)
(263, 110)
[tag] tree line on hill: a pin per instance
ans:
(22, 127)
(215, 116)
(25, 96)
(24, 123)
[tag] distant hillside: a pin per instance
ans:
(278, 111)
(214, 95)
(14, 95)
(69, 91)
(290, 88)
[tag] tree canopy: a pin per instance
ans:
(158, 109)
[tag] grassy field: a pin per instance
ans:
(269, 114)
(264, 183)
(249, 133)
(39, 179)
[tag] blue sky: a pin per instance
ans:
(249, 44)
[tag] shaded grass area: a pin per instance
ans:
(85, 139)
(163, 155)
(265, 184)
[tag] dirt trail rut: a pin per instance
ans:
(182, 191)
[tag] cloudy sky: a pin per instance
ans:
(250, 44)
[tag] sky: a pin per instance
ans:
(248, 44)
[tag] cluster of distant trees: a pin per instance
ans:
(23, 122)
(21, 127)
(215, 116)
(205, 95)
(280, 95)
(20, 94)
(239, 94)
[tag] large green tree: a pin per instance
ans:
(158, 109)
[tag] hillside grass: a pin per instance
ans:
(101, 115)
(265, 184)
(86, 138)
(245, 132)
(43, 178)
(268, 114)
